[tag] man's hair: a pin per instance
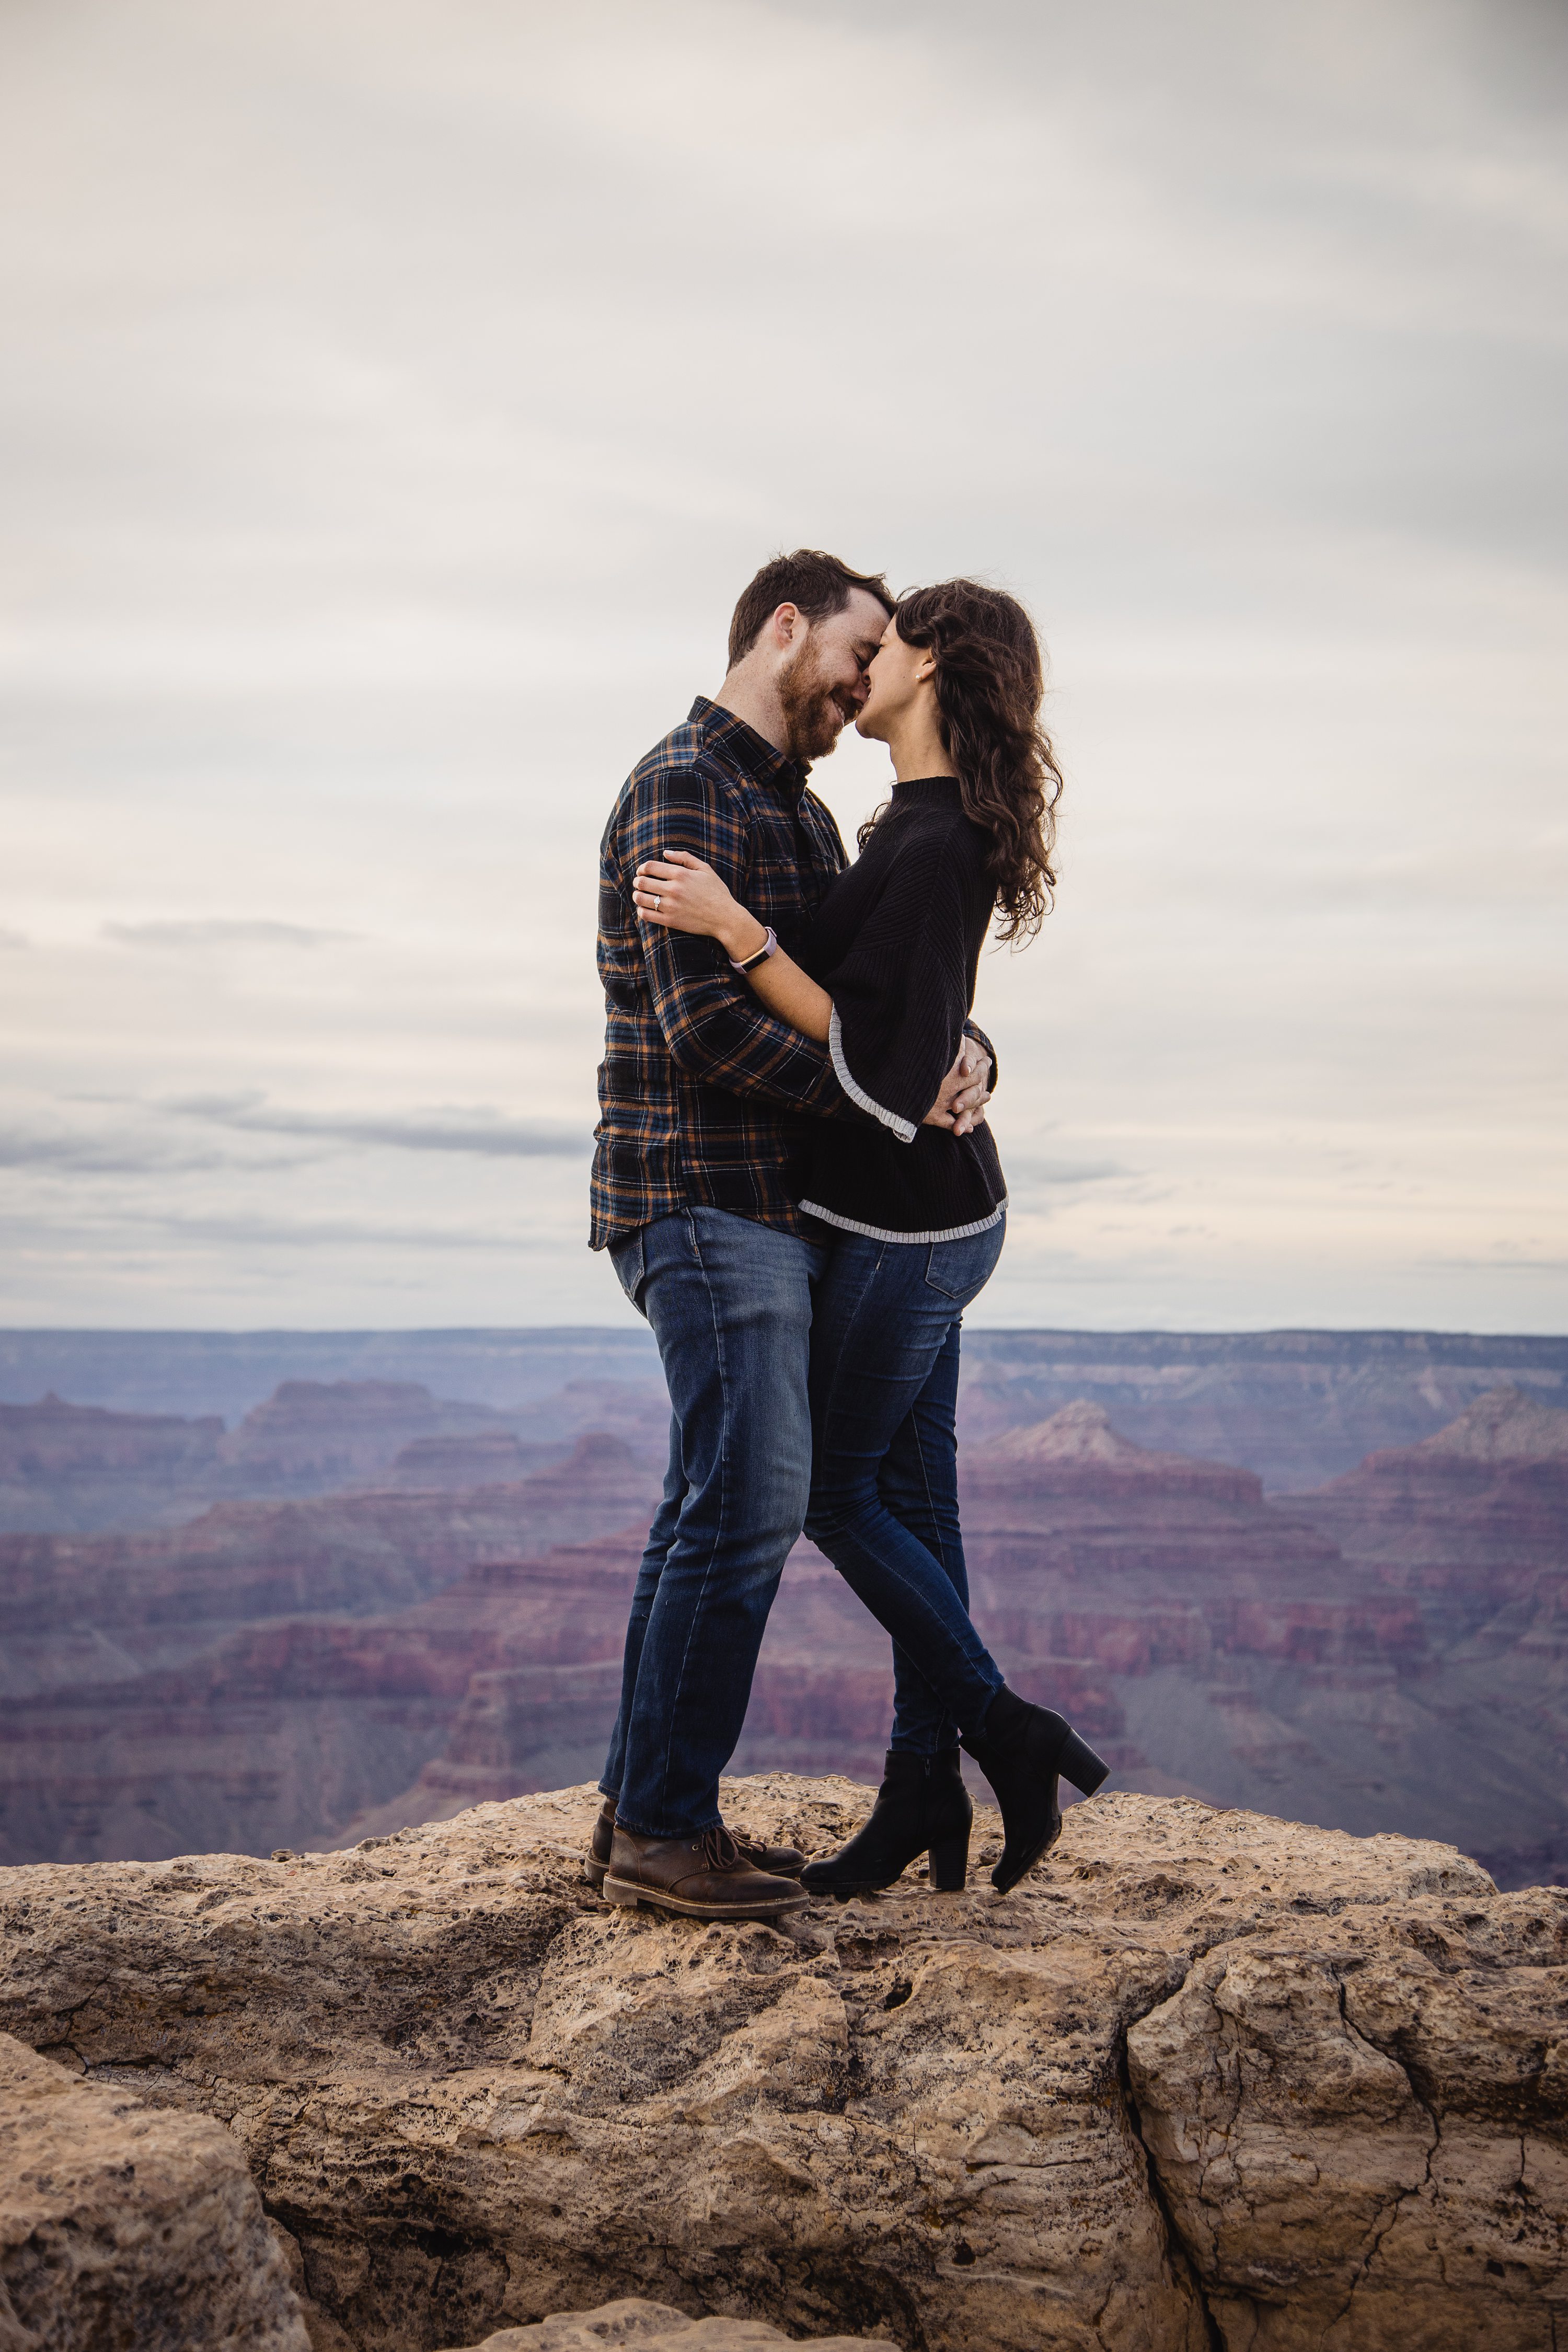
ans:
(816, 584)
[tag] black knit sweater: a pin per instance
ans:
(896, 943)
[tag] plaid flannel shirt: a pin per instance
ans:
(703, 1094)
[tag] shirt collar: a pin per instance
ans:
(745, 749)
(941, 790)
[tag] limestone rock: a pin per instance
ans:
(477, 2096)
(1367, 2146)
(344, 1429)
(1082, 1433)
(121, 2223)
(67, 1465)
(649, 2327)
(1506, 1424)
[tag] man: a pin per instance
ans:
(704, 1095)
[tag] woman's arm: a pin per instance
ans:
(684, 894)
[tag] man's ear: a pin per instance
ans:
(787, 623)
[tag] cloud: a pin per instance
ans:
(480, 1130)
(329, 1232)
(1500, 1265)
(104, 1155)
(1024, 1168)
(221, 934)
(323, 384)
(129, 1227)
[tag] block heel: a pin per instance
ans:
(1080, 1765)
(922, 1807)
(1024, 1750)
(949, 1860)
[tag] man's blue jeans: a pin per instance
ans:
(730, 1302)
(884, 1493)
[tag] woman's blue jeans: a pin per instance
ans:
(884, 1484)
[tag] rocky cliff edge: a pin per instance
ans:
(1205, 2079)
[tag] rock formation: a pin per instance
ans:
(486, 1458)
(127, 2223)
(1081, 1433)
(66, 1467)
(1204, 2078)
(320, 1434)
(1298, 1407)
(1506, 1424)
(650, 2328)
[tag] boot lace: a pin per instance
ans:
(717, 1849)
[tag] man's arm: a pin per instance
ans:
(715, 1027)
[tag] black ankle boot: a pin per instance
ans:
(922, 1807)
(1021, 1749)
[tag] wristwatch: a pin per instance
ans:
(749, 963)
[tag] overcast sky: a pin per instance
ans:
(397, 392)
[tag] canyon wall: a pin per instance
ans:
(66, 1466)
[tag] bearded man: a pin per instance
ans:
(704, 1095)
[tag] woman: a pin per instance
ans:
(914, 1205)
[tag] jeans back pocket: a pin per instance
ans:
(960, 1269)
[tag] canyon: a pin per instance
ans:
(1297, 1407)
(1382, 1651)
(1205, 2079)
(268, 1669)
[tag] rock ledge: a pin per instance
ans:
(1205, 2077)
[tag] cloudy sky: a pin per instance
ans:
(396, 393)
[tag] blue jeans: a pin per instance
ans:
(884, 1489)
(729, 1301)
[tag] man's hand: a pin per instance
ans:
(966, 1091)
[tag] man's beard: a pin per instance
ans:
(815, 714)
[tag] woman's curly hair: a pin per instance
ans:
(990, 679)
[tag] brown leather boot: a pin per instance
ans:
(777, 1861)
(701, 1877)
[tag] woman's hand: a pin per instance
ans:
(685, 895)
(966, 1091)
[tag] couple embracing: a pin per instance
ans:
(796, 1185)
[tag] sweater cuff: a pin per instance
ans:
(903, 1128)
